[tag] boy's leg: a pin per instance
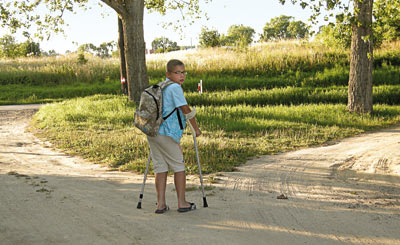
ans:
(180, 185)
(161, 185)
(160, 169)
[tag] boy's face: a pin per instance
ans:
(177, 75)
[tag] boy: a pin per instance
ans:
(165, 147)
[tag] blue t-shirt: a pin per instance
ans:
(173, 98)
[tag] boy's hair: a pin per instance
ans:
(172, 63)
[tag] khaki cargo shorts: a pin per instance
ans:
(165, 152)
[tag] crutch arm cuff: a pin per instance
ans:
(191, 114)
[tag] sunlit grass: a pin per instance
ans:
(271, 60)
(101, 129)
(264, 66)
(64, 69)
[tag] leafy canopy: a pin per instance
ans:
(9, 48)
(45, 17)
(104, 50)
(318, 5)
(163, 44)
(386, 26)
(284, 27)
(238, 35)
(209, 38)
(20, 14)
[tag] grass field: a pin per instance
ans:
(101, 129)
(268, 99)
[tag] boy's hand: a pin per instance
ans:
(198, 132)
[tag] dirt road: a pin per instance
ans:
(48, 197)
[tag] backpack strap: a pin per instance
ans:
(179, 117)
(165, 118)
(163, 85)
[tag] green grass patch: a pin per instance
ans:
(328, 77)
(282, 66)
(386, 94)
(25, 94)
(100, 128)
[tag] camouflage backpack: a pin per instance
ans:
(148, 116)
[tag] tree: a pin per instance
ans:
(361, 58)
(335, 35)
(51, 52)
(158, 43)
(9, 48)
(209, 38)
(104, 50)
(32, 48)
(122, 60)
(386, 26)
(298, 30)
(387, 20)
(238, 35)
(131, 13)
(20, 14)
(163, 44)
(87, 47)
(284, 27)
(276, 29)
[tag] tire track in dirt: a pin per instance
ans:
(306, 183)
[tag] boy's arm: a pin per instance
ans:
(186, 110)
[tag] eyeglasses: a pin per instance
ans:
(180, 72)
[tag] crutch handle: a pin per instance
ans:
(192, 129)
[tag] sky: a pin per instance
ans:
(99, 24)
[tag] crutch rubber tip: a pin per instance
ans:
(205, 202)
(139, 205)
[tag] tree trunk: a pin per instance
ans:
(361, 59)
(121, 45)
(135, 49)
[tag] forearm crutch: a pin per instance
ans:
(198, 163)
(139, 205)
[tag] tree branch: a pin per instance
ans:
(117, 5)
